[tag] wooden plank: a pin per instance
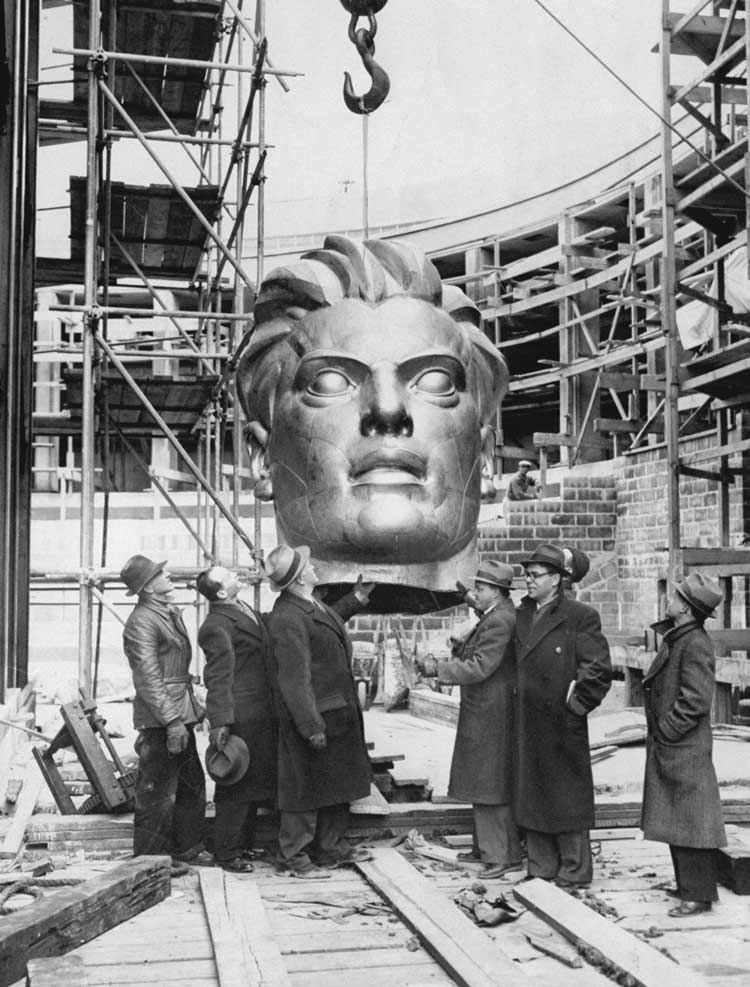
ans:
(246, 908)
(462, 949)
(155, 972)
(552, 439)
(56, 924)
(407, 976)
(58, 971)
(32, 786)
(235, 963)
(580, 924)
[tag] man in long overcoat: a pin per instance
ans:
(681, 803)
(170, 791)
(239, 702)
(564, 672)
(323, 760)
(482, 765)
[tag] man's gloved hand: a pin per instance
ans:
(426, 665)
(218, 737)
(362, 589)
(177, 737)
(318, 741)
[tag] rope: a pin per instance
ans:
(641, 100)
(32, 886)
(20, 887)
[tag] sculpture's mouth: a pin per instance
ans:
(389, 468)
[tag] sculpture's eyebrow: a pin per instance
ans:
(335, 356)
(440, 356)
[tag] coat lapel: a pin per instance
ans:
(236, 612)
(552, 618)
(663, 653)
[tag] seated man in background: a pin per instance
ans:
(239, 704)
(522, 485)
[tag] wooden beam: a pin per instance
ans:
(730, 639)
(552, 439)
(32, 786)
(246, 907)
(582, 925)
(464, 951)
(72, 916)
(57, 971)
(631, 382)
(618, 425)
(725, 60)
(706, 455)
(235, 963)
(703, 474)
(728, 557)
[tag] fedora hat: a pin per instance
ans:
(285, 563)
(701, 592)
(228, 765)
(495, 573)
(577, 563)
(547, 555)
(138, 571)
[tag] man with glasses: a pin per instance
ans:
(564, 672)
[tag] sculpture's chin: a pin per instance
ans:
(386, 598)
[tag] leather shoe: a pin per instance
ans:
(237, 865)
(469, 855)
(498, 870)
(562, 883)
(672, 892)
(687, 908)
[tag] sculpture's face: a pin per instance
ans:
(374, 448)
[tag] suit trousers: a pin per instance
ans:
(495, 835)
(313, 837)
(561, 856)
(170, 796)
(695, 872)
(234, 824)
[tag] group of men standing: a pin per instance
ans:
(285, 722)
(286, 726)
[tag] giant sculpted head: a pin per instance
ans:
(368, 388)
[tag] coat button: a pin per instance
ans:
(558, 650)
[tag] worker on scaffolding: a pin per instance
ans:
(522, 485)
(239, 705)
(170, 793)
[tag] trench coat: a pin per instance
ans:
(315, 691)
(555, 789)
(237, 649)
(482, 765)
(157, 646)
(681, 802)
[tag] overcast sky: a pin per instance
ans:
(490, 102)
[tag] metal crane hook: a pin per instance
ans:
(364, 41)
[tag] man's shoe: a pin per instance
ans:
(562, 883)
(471, 855)
(687, 908)
(237, 865)
(178, 869)
(309, 873)
(672, 892)
(498, 870)
(198, 857)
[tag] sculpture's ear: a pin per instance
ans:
(487, 435)
(256, 437)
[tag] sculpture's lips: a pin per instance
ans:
(389, 468)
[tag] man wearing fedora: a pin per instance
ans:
(239, 706)
(170, 793)
(482, 765)
(564, 672)
(323, 760)
(681, 803)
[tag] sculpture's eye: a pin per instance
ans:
(329, 383)
(437, 383)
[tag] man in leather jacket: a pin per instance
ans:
(170, 794)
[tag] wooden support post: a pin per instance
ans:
(72, 916)
(464, 951)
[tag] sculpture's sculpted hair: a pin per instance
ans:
(371, 271)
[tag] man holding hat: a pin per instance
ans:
(170, 793)
(564, 672)
(323, 760)
(482, 765)
(522, 485)
(239, 705)
(681, 803)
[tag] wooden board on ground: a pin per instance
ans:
(246, 908)
(461, 948)
(32, 786)
(581, 925)
(71, 916)
(55, 971)
(235, 963)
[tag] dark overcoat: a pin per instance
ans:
(482, 765)
(681, 803)
(555, 790)
(315, 692)
(237, 649)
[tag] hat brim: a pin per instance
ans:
(157, 568)
(304, 557)
(696, 604)
(493, 582)
(561, 570)
(238, 751)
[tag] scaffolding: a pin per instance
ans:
(158, 75)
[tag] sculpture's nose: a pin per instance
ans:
(384, 410)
